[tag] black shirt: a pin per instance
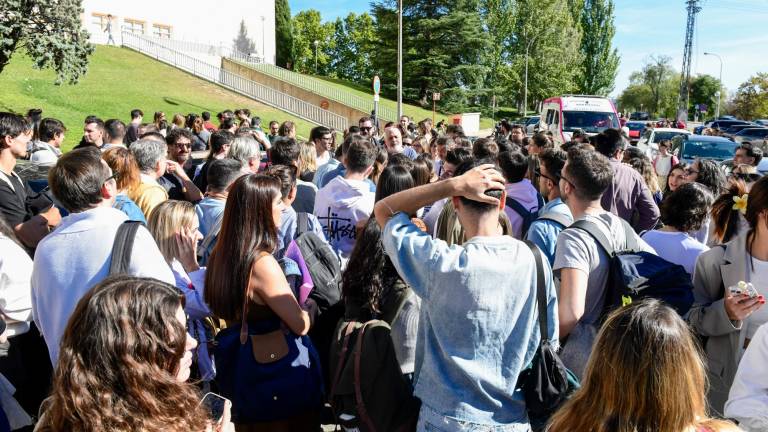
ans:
(13, 198)
(173, 186)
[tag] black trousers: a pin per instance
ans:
(25, 362)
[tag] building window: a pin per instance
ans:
(134, 26)
(161, 31)
(101, 20)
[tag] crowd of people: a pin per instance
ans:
(136, 278)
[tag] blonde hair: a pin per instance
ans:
(645, 374)
(178, 120)
(165, 221)
(307, 157)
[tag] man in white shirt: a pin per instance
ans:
(321, 137)
(47, 151)
(77, 255)
(346, 202)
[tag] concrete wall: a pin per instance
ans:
(193, 21)
(351, 114)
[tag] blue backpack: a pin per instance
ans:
(634, 274)
(527, 215)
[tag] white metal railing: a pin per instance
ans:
(315, 85)
(237, 83)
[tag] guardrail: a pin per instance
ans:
(315, 86)
(234, 82)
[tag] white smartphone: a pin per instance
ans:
(215, 405)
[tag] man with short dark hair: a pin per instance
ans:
(521, 196)
(452, 159)
(274, 127)
(47, 150)
(132, 131)
(220, 175)
(555, 215)
(176, 179)
(285, 151)
(115, 134)
(516, 134)
(367, 128)
(747, 154)
(346, 201)
(220, 142)
(15, 134)
(93, 133)
(627, 196)
(75, 257)
(207, 124)
(478, 328)
(580, 263)
(321, 137)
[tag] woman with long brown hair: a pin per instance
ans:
(265, 363)
(124, 359)
(645, 374)
(128, 179)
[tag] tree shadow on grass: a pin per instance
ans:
(175, 101)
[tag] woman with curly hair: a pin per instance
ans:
(128, 179)
(684, 211)
(645, 374)
(124, 359)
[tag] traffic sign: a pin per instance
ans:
(435, 96)
(376, 85)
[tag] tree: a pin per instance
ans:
(601, 63)
(497, 16)
(704, 90)
(654, 87)
(242, 42)
(751, 99)
(443, 47)
(354, 39)
(283, 34)
(51, 33)
(309, 28)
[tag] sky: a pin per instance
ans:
(733, 29)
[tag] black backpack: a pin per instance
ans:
(368, 391)
(527, 215)
(558, 218)
(547, 383)
(634, 274)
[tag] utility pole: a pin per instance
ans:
(263, 39)
(720, 84)
(316, 43)
(685, 78)
(525, 93)
(399, 59)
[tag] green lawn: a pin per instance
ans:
(118, 81)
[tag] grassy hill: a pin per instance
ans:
(118, 81)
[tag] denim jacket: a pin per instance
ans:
(478, 325)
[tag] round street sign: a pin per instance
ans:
(376, 84)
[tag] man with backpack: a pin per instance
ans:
(555, 215)
(478, 318)
(581, 264)
(523, 201)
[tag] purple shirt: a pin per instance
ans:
(628, 194)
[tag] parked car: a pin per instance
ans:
(640, 115)
(733, 130)
(762, 122)
(530, 125)
(636, 129)
(755, 135)
(725, 124)
(649, 141)
(689, 147)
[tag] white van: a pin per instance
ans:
(564, 114)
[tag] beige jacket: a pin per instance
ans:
(719, 268)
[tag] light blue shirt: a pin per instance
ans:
(543, 233)
(324, 169)
(209, 211)
(478, 324)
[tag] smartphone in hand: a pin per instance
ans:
(215, 405)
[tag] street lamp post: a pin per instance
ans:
(525, 93)
(263, 39)
(399, 59)
(720, 84)
(316, 44)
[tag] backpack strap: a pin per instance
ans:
(541, 295)
(517, 207)
(558, 218)
(593, 230)
(360, 403)
(394, 313)
(540, 200)
(632, 244)
(211, 236)
(302, 222)
(122, 248)
(246, 300)
(348, 329)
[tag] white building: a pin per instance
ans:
(190, 20)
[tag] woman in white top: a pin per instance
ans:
(748, 399)
(174, 226)
(664, 161)
(682, 212)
